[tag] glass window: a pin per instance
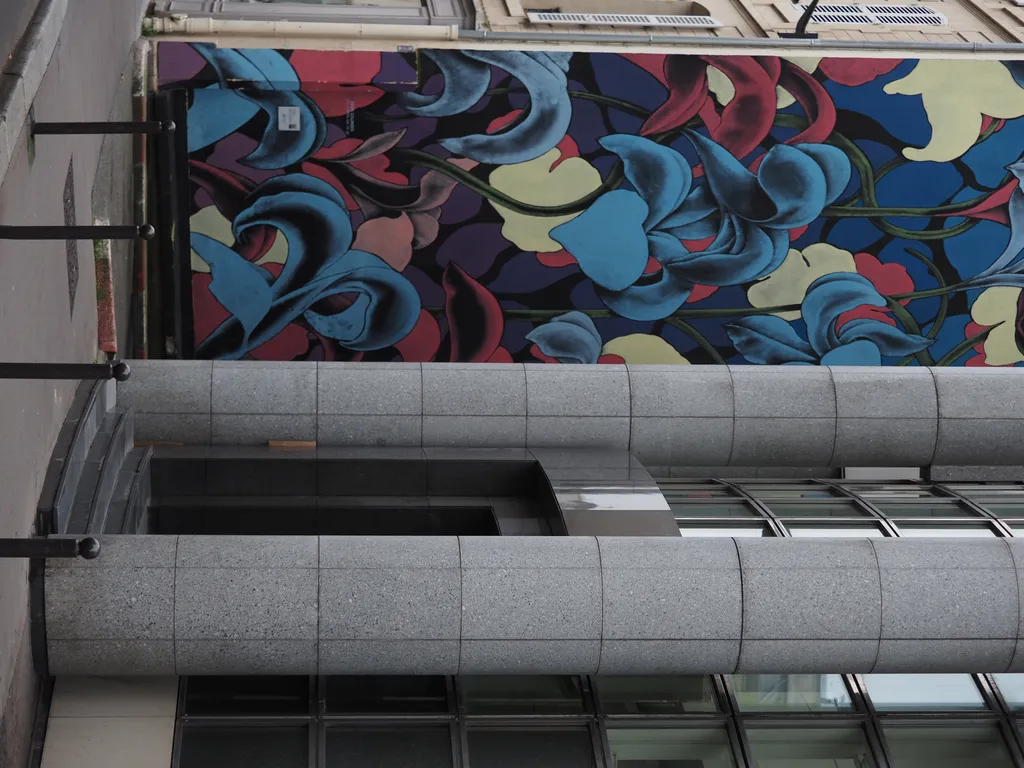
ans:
(376, 747)
(833, 531)
(1002, 509)
(711, 509)
(933, 509)
(710, 532)
(789, 491)
(1012, 688)
(836, 508)
(944, 531)
(520, 695)
(530, 748)
(256, 695)
(683, 490)
(901, 693)
(810, 693)
(662, 695)
(996, 490)
(891, 490)
(264, 746)
(810, 748)
(669, 748)
(385, 695)
(946, 746)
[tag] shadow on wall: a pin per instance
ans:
(497, 206)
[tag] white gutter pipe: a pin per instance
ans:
(199, 27)
(341, 35)
(815, 44)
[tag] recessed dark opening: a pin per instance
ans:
(225, 490)
(348, 520)
(255, 695)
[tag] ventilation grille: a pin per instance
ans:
(889, 15)
(621, 20)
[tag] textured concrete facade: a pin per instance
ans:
(535, 605)
(665, 415)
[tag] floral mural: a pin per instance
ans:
(485, 205)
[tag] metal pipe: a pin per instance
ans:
(801, 32)
(195, 26)
(87, 548)
(1017, 49)
(145, 231)
(198, 26)
(102, 129)
(331, 35)
(120, 371)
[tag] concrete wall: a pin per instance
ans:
(111, 722)
(715, 416)
(581, 605)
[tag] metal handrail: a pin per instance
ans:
(87, 548)
(114, 369)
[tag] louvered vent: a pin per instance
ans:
(621, 20)
(889, 15)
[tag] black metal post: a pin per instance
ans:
(87, 548)
(144, 231)
(73, 371)
(801, 32)
(82, 129)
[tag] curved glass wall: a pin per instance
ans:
(844, 508)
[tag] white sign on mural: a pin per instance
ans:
(288, 119)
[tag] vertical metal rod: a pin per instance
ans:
(144, 231)
(87, 548)
(72, 371)
(801, 32)
(83, 129)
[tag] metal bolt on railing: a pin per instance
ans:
(87, 548)
(117, 370)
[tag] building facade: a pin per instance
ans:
(560, 385)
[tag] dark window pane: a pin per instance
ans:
(700, 508)
(253, 747)
(1002, 509)
(662, 695)
(891, 491)
(810, 748)
(406, 521)
(833, 508)
(521, 695)
(986, 491)
(389, 748)
(670, 748)
(933, 509)
(778, 693)
(789, 491)
(946, 747)
(684, 490)
(530, 748)
(216, 695)
(386, 694)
